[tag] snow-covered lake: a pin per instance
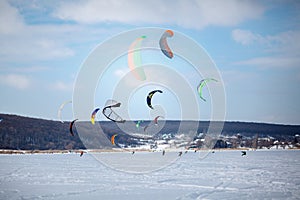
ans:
(221, 175)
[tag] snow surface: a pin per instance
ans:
(221, 175)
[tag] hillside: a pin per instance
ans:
(18, 132)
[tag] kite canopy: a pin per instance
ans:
(134, 59)
(149, 97)
(110, 114)
(93, 116)
(145, 128)
(112, 139)
(156, 119)
(139, 123)
(71, 126)
(60, 110)
(202, 84)
(164, 47)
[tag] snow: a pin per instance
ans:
(268, 174)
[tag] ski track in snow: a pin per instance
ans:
(221, 175)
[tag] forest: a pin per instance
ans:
(26, 133)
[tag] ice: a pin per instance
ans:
(272, 174)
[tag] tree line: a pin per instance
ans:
(26, 133)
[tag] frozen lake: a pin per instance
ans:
(221, 175)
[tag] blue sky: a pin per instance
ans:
(254, 44)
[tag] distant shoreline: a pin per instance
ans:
(78, 151)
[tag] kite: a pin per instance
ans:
(60, 109)
(243, 153)
(156, 119)
(164, 47)
(139, 123)
(155, 122)
(202, 84)
(112, 139)
(71, 126)
(134, 59)
(145, 128)
(150, 95)
(110, 114)
(93, 116)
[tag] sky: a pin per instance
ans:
(254, 44)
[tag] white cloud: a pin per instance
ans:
(271, 62)
(25, 39)
(16, 81)
(191, 14)
(23, 69)
(33, 44)
(283, 48)
(121, 72)
(21, 42)
(10, 20)
(227, 13)
(288, 41)
(24, 42)
(246, 37)
(62, 86)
